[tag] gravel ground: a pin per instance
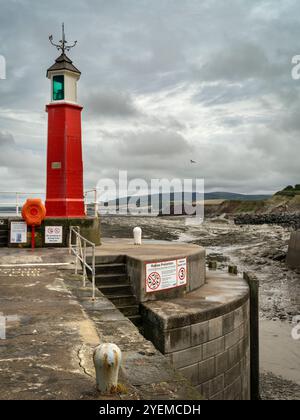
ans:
(277, 388)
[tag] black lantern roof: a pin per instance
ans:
(63, 62)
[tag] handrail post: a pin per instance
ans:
(96, 202)
(17, 204)
(76, 255)
(70, 240)
(84, 263)
(85, 203)
(93, 273)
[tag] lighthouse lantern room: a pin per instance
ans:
(64, 193)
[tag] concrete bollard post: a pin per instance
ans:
(213, 265)
(107, 361)
(232, 269)
(137, 235)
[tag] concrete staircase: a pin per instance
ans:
(3, 232)
(112, 280)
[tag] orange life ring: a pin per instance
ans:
(34, 211)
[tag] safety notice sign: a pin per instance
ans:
(53, 234)
(164, 275)
(18, 233)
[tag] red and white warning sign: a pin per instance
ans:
(164, 275)
(181, 271)
(153, 280)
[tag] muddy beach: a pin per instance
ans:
(260, 249)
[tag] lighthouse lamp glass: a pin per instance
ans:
(58, 88)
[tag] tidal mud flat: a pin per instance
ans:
(260, 249)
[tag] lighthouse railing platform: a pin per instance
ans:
(79, 246)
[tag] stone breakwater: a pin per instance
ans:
(283, 219)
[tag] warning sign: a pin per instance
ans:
(164, 275)
(154, 280)
(53, 234)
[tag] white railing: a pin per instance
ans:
(78, 245)
(11, 202)
(93, 201)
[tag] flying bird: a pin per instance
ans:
(193, 161)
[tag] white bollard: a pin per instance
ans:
(107, 361)
(137, 235)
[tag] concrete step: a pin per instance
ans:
(136, 320)
(109, 259)
(116, 289)
(122, 299)
(110, 268)
(129, 311)
(111, 279)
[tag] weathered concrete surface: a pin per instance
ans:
(154, 251)
(51, 335)
(145, 373)
(293, 256)
(221, 294)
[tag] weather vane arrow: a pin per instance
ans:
(62, 45)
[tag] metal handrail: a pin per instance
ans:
(79, 249)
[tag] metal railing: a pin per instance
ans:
(94, 201)
(79, 248)
(11, 202)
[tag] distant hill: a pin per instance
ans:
(224, 202)
(234, 196)
(218, 195)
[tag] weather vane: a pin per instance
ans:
(62, 45)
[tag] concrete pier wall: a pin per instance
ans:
(137, 258)
(293, 257)
(136, 269)
(206, 339)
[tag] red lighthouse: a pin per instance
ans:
(64, 195)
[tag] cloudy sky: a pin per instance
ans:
(163, 82)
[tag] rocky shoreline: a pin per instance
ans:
(284, 219)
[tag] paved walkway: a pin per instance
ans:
(53, 327)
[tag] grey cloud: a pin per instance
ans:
(241, 124)
(162, 143)
(222, 92)
(239, 62)
(6, 139)
(110, 103)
